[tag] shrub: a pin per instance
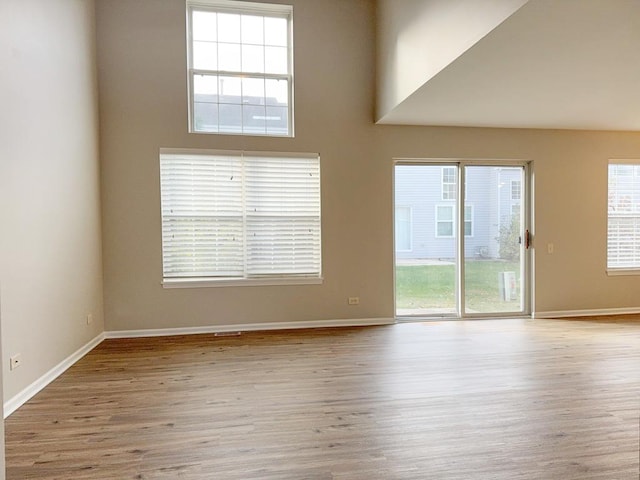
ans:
(509, 239)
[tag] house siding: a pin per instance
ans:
(419, 188)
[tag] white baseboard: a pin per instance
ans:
(587, 313)
(18, 400)
(249, 327)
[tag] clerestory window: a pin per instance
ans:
(240, 64)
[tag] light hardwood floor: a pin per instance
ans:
(497, 399)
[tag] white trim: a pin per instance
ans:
(587, 313)
(242, 7)
(237, 153)
(249, 327)
(488, 162)
(478, 317)
(624, 161)
(616, 272)
(22, 397)
(244, 282)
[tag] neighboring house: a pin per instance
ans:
(425, 210)
(237, 113)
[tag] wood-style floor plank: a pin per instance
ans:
(498, 399)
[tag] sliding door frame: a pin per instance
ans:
(526, 230)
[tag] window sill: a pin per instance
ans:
(238, 282)
(244, 134)
(617, 272)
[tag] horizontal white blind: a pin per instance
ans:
(282, 215)
(240, 215)
(623, 235)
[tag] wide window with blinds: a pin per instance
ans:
(233, 217)
(623, 233)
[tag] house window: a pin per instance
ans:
(468, 220)
(240, 67)
(623, 232)
(448, 183)
(240, 217)
(445, 220)
(403, 229)
(516, 190)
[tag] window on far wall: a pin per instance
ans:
(623, 232)
(448, 183)
(516, 190)
(468, 220)
(240, 217)
(445, 220)
(240, 67)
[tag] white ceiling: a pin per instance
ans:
(566, 64)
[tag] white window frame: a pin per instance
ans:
(623, 205)
(453, 220)
(240, 7)
(516, 186)
(449, 188)
(409, 226)
(184, 193)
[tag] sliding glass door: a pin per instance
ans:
(474, 267)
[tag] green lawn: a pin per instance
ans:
(433, 286)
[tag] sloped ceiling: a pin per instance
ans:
(563, 64)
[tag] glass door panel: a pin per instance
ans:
(493, 251)
(426, 240)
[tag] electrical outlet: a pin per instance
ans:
(89, 318)
(15, 361)
(354, 300)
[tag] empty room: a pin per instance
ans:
(320, 239)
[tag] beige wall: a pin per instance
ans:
(416, 39)
(50, 245)
(570, 206)
(142, 72)
(141, 52)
